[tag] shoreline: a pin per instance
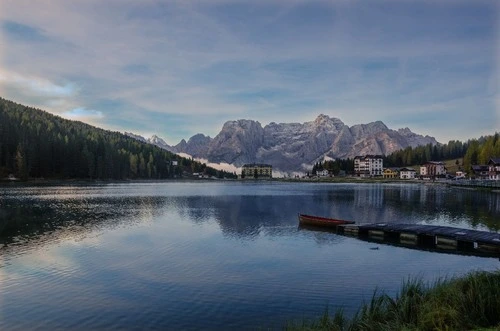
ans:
(469, 302)
(491, 186)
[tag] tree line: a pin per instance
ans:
(471, 152)
(36, 144)
(334, 166)
(454, 149)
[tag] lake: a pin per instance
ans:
(213, 255)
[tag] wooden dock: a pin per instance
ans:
(428, 237)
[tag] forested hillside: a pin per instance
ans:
(482, 150)
(474, 151)
(36, 144)
(419, 155)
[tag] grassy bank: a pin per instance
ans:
(471, 302)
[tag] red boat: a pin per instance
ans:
(321, 221)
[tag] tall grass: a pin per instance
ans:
(466, 303)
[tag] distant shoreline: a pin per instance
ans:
(492, 185)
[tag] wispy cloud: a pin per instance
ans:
(82, 114)
(177, 68)
(36, 85)
(17, 31)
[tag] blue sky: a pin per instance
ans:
(177, 68)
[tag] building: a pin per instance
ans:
(322, 173)
(432, 169)
(257, 170)
(390, 173)
(481, 171)
(368, 165)
(494, 169)
(407, 173)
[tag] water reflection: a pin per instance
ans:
(212, 255)
(243, 211)
(26, 221)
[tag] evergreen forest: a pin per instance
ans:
(35, 144)
(473, 152)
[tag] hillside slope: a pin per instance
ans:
(36, 144)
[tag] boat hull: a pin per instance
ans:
(310, 220)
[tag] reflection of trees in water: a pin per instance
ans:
(246, 215)
(29, 218)
(474, 207)
(251, 215)
(359, 203)
(427, 202)
(32, 220)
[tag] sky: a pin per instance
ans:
(180, 67)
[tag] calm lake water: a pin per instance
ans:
(213, 255)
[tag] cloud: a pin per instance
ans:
(82, 114)
(19, 31)
(37, 91)
(219, 166)
(182, 67)
(35, 85)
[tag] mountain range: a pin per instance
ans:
(293, 146)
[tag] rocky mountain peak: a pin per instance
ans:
(154, 140)
(135, 136)
(295, 146)
(322, 118)
(196, 145)
(373, 128)
(157, 140)
(198, 138)
(325, 120)
(405, 131)
(241, 124)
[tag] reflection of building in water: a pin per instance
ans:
(494, 203)
(431, 195)
(423, 194)
(256, 170)
(372, 196)
(407, 192)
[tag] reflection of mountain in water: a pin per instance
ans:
(249, 215)
(246, 211)
(246, 215)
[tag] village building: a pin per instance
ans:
(322, 173)
(432, 169)
(407, 173)
(494, 169)
(368, 165)
(257, 170)
(391, 173)
(481, 171)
